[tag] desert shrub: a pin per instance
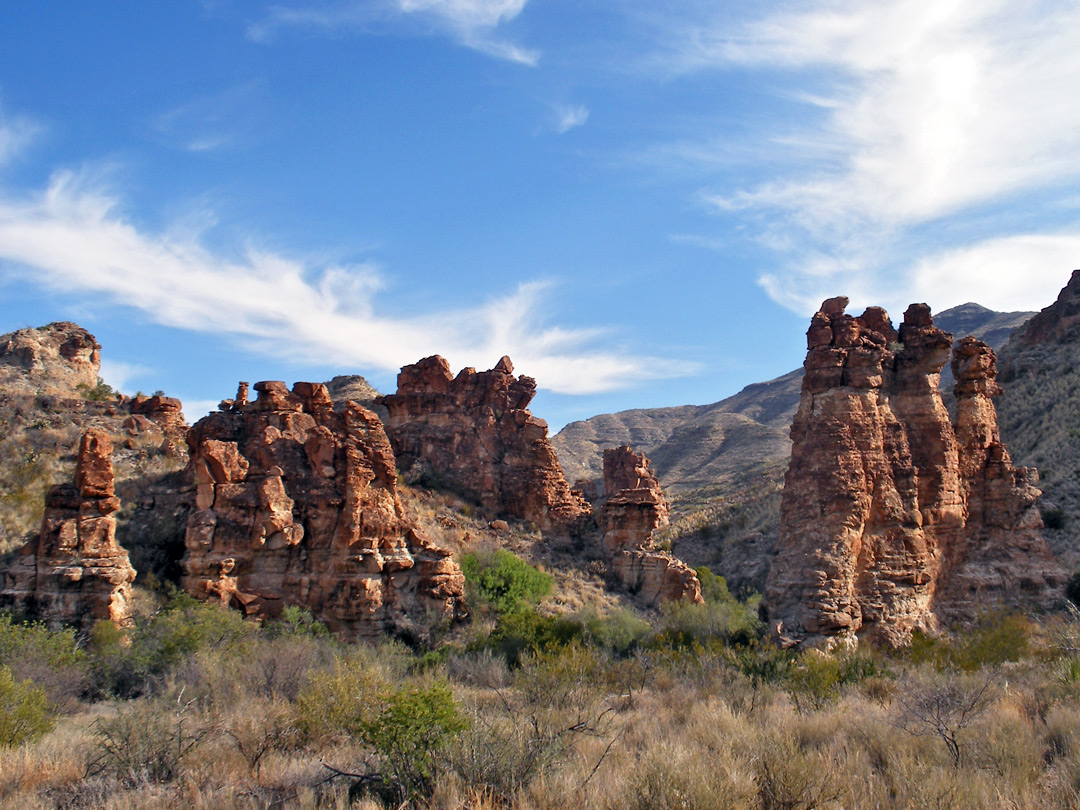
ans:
(26, 713)
(791, 779)
(814, 681)
(297, 622)
(260, 726)
(339, 701)
(504, 581)
(674, 776)
(713, 587)
(684, 624)
(522, 631)
(409, 735)
(1072, 589)
(51, 659)
(184, 627)
(619, 631)
(101, 392)
(995, 639)
(147, 741)
(1054, 518)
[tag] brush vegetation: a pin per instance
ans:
(525, 707)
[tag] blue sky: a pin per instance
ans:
(640, 203)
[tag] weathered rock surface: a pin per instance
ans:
(634, 508)
(892, 518)
(473, 434)
(297, 504)
(75, 572)
(59, 357)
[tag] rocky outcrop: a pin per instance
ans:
(75, 572)
(892, 517)
(297, 504)
(59, 357)
(634, 508)
(160, 412)
(473, 434)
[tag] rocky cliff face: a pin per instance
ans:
(75, 572)
(892, 517)
(473, 434)
(634, 508)
(297, 504)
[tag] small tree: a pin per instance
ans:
(943, 707)
(410, 734)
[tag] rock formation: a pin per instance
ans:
(634, 508)
(164, 413)
(59, 357)
(892, 517)
(297, 504)
(473, 434)
(75, 572)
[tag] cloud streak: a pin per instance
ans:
(934, 113)
(569, 116)
(73, 237)
(471, 23)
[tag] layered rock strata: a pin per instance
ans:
(473, 434)
(75, 572)
(634, 508)
(297, 504)
(892, 517)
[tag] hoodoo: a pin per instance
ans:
(893, 517)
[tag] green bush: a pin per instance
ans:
(102, 392)
(26, 714)
(184, 627)
(525, 630)
(687, 625)
(713, 587)
(504, 581)
(814, 681)
(339, 701)
(620, 631)
(50, 658)
(995, 639)
(410, 735)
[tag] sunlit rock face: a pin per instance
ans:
(297, 504)
(893, 517)
(473, 434)
(633, 509)
(74, 572)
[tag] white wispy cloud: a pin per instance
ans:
(569, 116)
(119, 374)
(15, 135)
(73, 236)
(472, 23)
(932, 112)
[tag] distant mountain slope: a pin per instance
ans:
(1039, 413)
(722, 465)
